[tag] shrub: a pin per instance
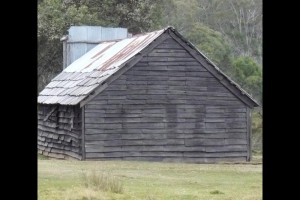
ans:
(216, 192)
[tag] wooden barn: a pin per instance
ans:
(151, 97)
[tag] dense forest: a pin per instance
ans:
(228, 32)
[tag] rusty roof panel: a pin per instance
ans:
(109, 54)
(86, 73)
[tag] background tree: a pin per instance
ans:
(212, 44)
(239, 20)
(248, 74)
(54, 19)
(56, 16)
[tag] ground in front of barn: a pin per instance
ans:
(101, 180)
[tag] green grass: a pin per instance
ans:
(104, 182)
(62, 179)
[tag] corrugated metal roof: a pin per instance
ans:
(84, 75)
(80, 78)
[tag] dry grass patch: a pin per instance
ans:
(104, 182)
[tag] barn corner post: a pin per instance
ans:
(249, 134)
(82, 132)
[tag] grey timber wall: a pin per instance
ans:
(166, 108)
(59, 131)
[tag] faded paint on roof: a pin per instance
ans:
(85, 74)
(107, 55)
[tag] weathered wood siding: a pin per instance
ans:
(166, 108)
(59, 131)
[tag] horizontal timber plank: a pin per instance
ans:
(214, 154)
(106, 97)
(168, 50)
(136, 154)
(225, 115)
(167, 46)
(169, 54)
(137, 142)
(214, 142)
(103, 149)
(103, 136)
(104, 126)
(178, 63)
(206, 160)
(226, 148)
(160, 136)
(94, 156)
(209, 149)
(121, 131)
(236, 130)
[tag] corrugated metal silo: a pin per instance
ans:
(81, 39)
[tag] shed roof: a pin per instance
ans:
(83, 76)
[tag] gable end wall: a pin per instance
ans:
(166, 108)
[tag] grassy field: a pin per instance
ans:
(62, 179)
